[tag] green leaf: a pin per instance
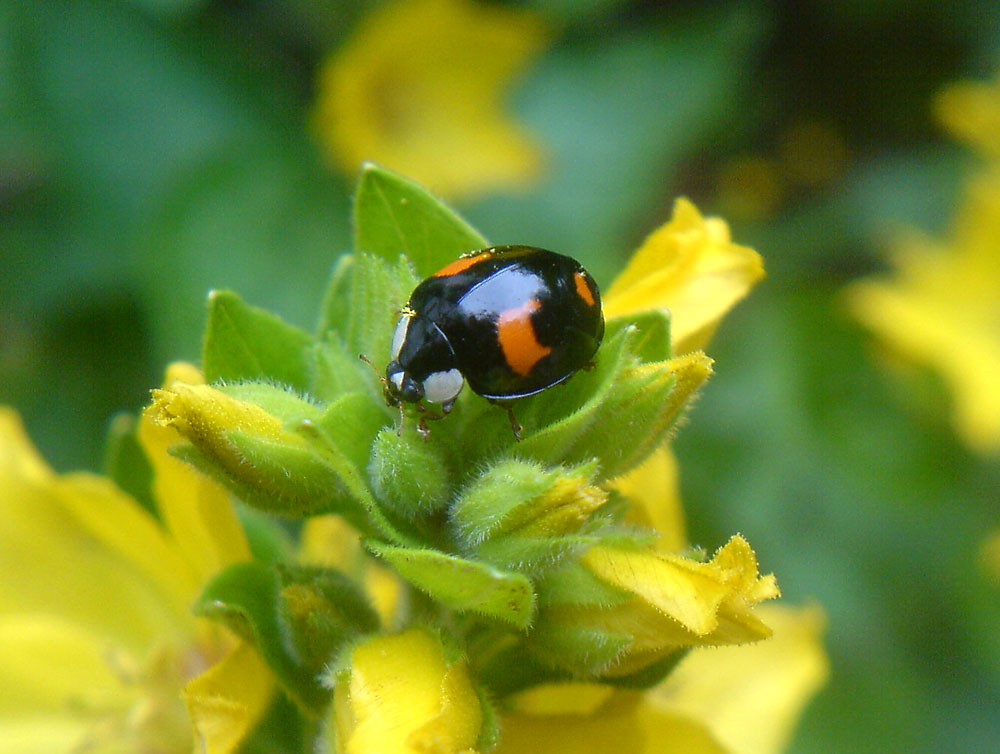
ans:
(337, 370)
(269, 541)
(243, 342)
(125, 461)
(652, 341)
(650, 675)
(247, 598)
(378, 291)
(574, 584)
(408, 475)
(394, 215)
(334, 311)
(463, 584)
(577, 649)
(350, 423)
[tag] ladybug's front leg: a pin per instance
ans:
(427, 415)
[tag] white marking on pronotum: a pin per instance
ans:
(399, 336)
(441, 387)
(397, 380)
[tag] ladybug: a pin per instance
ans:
(511, 321)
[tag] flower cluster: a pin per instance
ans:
(463, 594)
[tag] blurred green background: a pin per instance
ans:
(151, 150)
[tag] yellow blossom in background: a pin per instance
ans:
(420, 88)
(718, 700)
(98, 647)
(971, 111)
(941, 306)
(691, 267)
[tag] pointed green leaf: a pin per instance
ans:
(351, 423)
(126, 463)
(243, 342)
(334, 309)
(463, 584)
(247, 598)
(580, 650)
(394, 215)
(336, 369)
(652, 341)
(378, 291)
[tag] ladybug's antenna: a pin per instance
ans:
(387, 392)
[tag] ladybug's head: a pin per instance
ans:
(423, 364)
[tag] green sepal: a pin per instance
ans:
(574, 584)
(582, 651)
(378, 291)
(337, 369)
(635, 418)
(278, 400)
(243, 342)
(531, 555)
(269, 541)
(650, 675)
(247, 598)
(567, 413)
(334, 310)
(514, 496)
(126, 463)
(409, 476)
(461, 584)
(394, 215)
(283, 729)
(515, 668)
(274, 478)
(325, 609)
(351, 423)
(652, 341)
(489, 732)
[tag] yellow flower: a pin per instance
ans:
(691, 267)
(718, 700)
(401, 695)
(674, 602)
(98, 648)
(971, 111)
(419, 88)
(941, 309)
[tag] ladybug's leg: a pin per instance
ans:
(426, 415)
(515, 425)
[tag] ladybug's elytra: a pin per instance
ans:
(509, 320)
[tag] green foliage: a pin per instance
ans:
(394, 217)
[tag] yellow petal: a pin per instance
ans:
(404, 697)
(695, 594)
(50, 666)
(194, 507)
(228, 700)
(971, 111)
(626, 724)
(59, 556)
(751, 697)
(18, 456)
(691, 267)
(943, 310)
(419, 88)
(652, 488)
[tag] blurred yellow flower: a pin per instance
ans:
(690, 266)
(971, 111)
(941, 309)
(401, 695)
(718, 700)
(98, 648)
(420, 88)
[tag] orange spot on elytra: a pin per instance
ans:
(461, 264)
(582, 289)
(517, 338)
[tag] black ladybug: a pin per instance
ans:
(509, 320)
